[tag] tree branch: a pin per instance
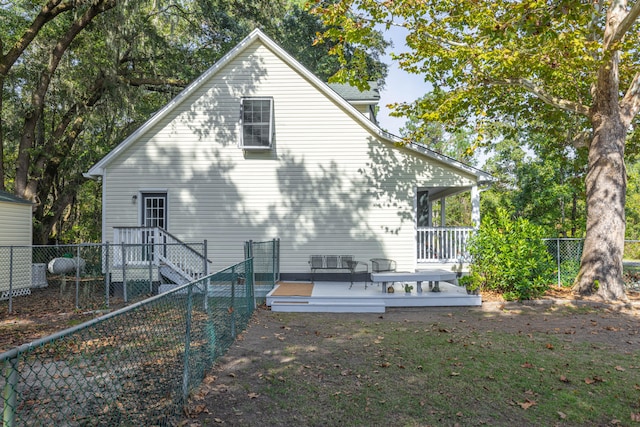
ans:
(48, 12)
(540, 93)
(630, 104)
(149, 81)
(624, 25)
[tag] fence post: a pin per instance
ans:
(10, 279)
(124, 273)
(232, 308)
(250, 284)
(277, 259)
(9, 394)
(187, 346)
(151, 257)
(205, 271)
(274, 247)
(77, 277)
(107, 281)
(558, 258)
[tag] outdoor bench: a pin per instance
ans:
(418, 276)
(336, 263)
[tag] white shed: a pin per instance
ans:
(15, 245)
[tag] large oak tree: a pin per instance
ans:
(556, 61)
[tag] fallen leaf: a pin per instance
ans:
(253, 395)
(526, 365)
(549, 346)
(589, 381)
(562, 415)
(454, 374)
(619, 368)
(564, 379)
(635, 417)
(527, 404)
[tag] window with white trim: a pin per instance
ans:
(257, 123)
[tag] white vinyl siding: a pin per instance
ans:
(328, 186)
(15, 223)
(15, 230)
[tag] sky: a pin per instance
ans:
(400, 86)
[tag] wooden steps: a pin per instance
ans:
(327, 307)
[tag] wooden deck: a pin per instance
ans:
(336, 297)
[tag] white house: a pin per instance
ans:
(258, 147)
(15, 245)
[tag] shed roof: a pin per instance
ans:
(8, 197)
(353, 94)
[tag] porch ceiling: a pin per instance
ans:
(437, 193)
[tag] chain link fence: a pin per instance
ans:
(134, 366)
(266, 264)
(94, 276)
(567, 252)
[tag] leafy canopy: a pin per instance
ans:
(487, 60)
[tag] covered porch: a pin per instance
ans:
(443, 233)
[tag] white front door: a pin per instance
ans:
(154, 214)
(154, 210)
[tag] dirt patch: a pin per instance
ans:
(231, 393)
(49, 310)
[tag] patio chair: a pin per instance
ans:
(379, 265)
(352, 265)
(316, 262)
(332, 262)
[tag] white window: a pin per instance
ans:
(257, 123)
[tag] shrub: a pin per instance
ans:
(510, 257)
(568, 272)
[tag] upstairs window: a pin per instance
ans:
(257, 123)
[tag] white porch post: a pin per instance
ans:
(475, 206)
(443, 208)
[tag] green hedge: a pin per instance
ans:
(510, 257)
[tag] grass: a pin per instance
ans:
(411, 373)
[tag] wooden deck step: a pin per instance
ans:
(327, 307)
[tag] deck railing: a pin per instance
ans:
(443, 244)
(144, 245)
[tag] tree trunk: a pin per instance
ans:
(32, 119)
(606, 184)
(2, 187)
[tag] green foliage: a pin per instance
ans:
(568, 272)
(297, 35)
(130, 61)
(537, 178)
(509, 257)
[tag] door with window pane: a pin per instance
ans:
(154, 214)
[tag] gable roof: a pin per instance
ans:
(8, 197)
(258, 36)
